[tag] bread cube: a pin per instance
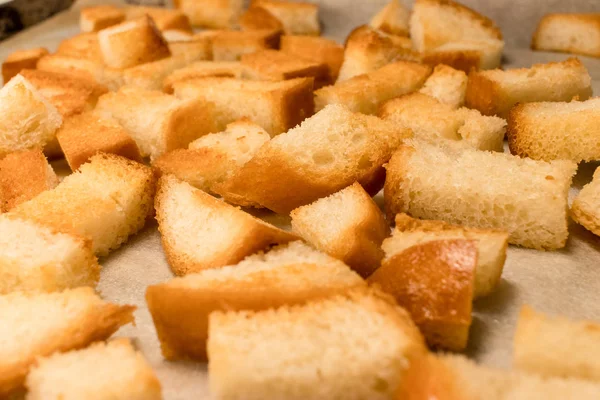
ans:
(211, 13)
(231, 45)
(584, 209)
(85, 46)
(203, 69)
(275, 65)
(96, 18)
(316, 49)
(298, 18)
(466, 55)
(164, 18)
(447, 85)
(392, 19)
(568, 33)
(20, 60)
(257, 18)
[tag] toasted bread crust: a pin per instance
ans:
(462, 60)
(275, 65)
(317, 49)
(20, 60)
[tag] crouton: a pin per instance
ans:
(111, 370)
(275, 106)
(466, 55)
(316, 49)
(392, 19)
(81, 68)
(85, 46)
(157, 122)
(211, 13)
(304, 164)
(447, 85)
(200, 232)
(584, 209)
(20, 60)
(150, 76)
(279, 353)
(96, 18)
(38, 325)
(289, 274)
(194, 49)
(297, 18)
(164, 18)
(568, 33)
(231, 45)
(132, 43)
(347, 225)
(495, 92)
(277, 66)
(528, 200)
(175, 35)
(256, 18)
(365, 93)
(203, 69)
(105, 200)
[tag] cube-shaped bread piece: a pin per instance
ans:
(462, 186)
(20, 60)
(359, 345)
(304, 164)
(275, 106)
(158, 122)
(347, 225)
(495, 92)
(105, 200)
(491, 246)
(30, 120)
(289, 274)
(466, 55)
(194, 49)
(203, 69)
(586, 206)
(446, 268)
(231, 45)
(447, 85)
(150, 76)
(365, 93)
(164, 18)
(275, 65)
(132, 43)
(298, 18)
(211, 13)
(555, 131)
(568, 33)
(392, 19)
(316, 49)
(112, 370)
(96, 18)
(38, 325)
(256, 18)
(85, 46)
(430, 119)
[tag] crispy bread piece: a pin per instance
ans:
(83, 45)
(568, 33)
(194, 49)
(96, 18)
(466, 55)
(203, 69)
(298, 18)
(447, 85)
(82, 68)
(392, 19)
(256, 18)
(211, 13)
(316, 49)
(20, 60)
(165, 19)
(231, 45)
(273, 65)
(584, 209)
(150, 76)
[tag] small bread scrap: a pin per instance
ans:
(491, 246)
(29, 119)
(85, 46)
(275, 106)
(586, 206)
(203, 69)
(288, 274)
(466, 55)
(347, 225)
(112, 370)
(82, 68)
(447, 85)
(200, 232)
(556, 131)
(304, 164)
(24, 175)
(96, 18)
(158, 122)
(132, 43)
(266, 352)
(231, 45)
(495, 92)
(568, 33)
(392, 19)
(298, 18)
(365, 93)
(256, 18)
(273, 65)
(164, 18)
(316, 49)
(211, 13)
(430, 119)
(38, 325)
(20, 60)
(462, 186)
(105, 200)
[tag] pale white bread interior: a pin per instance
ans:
(317, 49)
(586, 206)
(430, 119)
(203, 69)
(288, 274)
(150, 76)
(21, 59)
(200, 232)
(113, 370)
(275, 65)
(38, 325)
(211, 13)
(365, 93)
(29, 119)
(96, 18)
(279, 353)
(105, 200)
(467, 54)
(392, 18)
(231, 45)
(496, 91)
(462, 186)
(303, 164)
(347, 225)
(447, 85)
(568, 33)
(556, 130)
(491, 246)
(298, 18)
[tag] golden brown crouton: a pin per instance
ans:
(231, 45)
(392, 19)
(165, 19)
(203, 69)
(276, 65)
(211, 13)
(96, 18)
(20, 60)
(297, 18)
(256, 18)
(568, 33)
(316, 49)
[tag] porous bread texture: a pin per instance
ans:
(276, 65)
(347, 225)
(278, 353)
(200, 232)
(275, 106)
(150, 76)
(429, 119)
(304, 164)
(231, 45)
(288, 274)
(38, 325)
(392, 19)
(495, 92)
(491, 246)
(158, 122)
(584, 209)
(447, 85)
(555, 131)
(132, 43)
(96, 18)
(466, 55)
(316, 49)
(368, 49)
(112, 370)
(83, 45)
(365, 93)
(568, 33)
(211, 13)
(256, 18)
(105, 200)
(203, 69)
(20, 60)
(29, 119)
(298, 18)
(165, 18)
(462, 186)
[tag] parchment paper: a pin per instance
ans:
(563, 282)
